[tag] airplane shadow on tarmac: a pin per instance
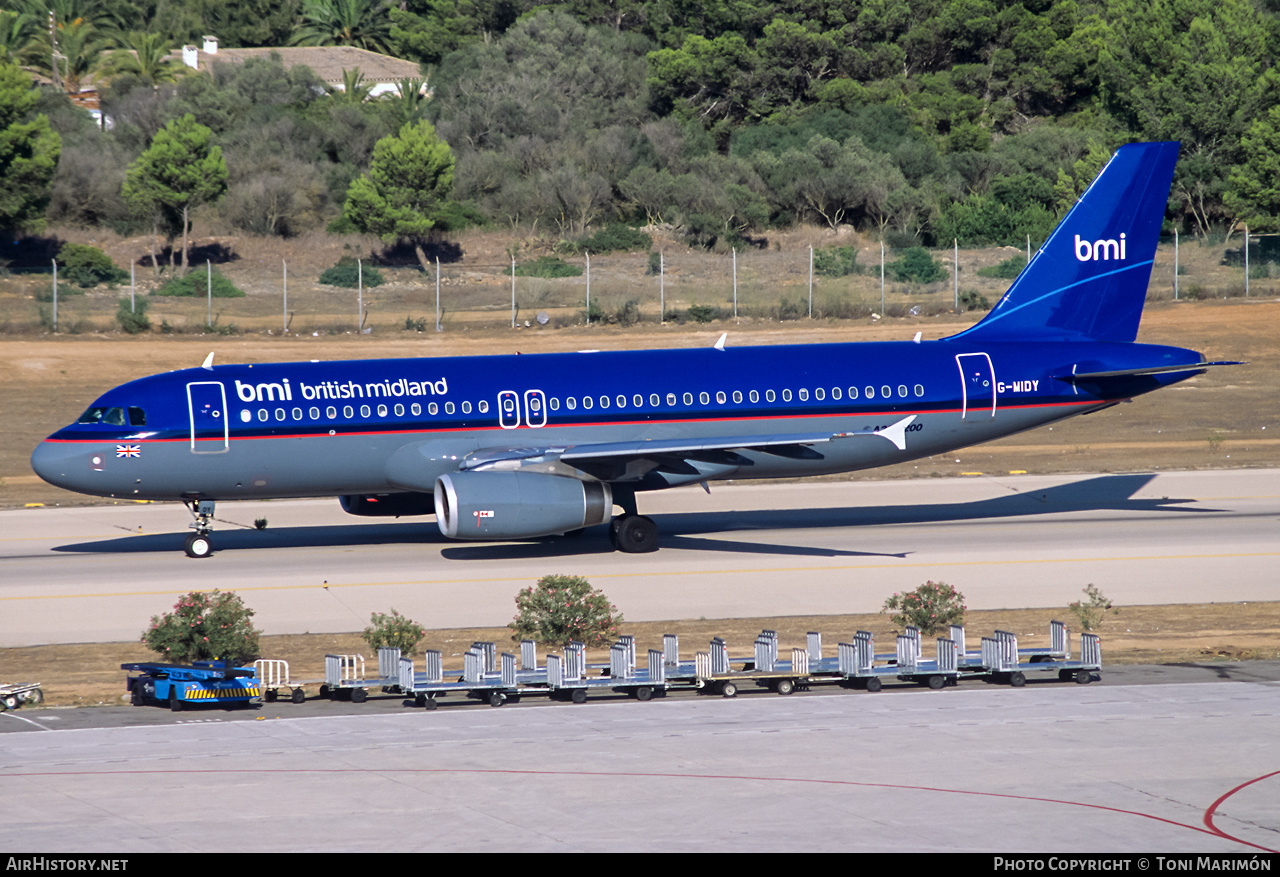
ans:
(684, 530)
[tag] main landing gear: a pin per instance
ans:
(200, 543)
(632, 532)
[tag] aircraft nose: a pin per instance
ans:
(63, 465)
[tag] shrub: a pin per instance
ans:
(972, 300)
(348, 274)
(133, 319)
(547, 267)
(204, 626)
(562, 609)
(703, 313)
(932, 607)
(917, 266)
(1006, 270)
(394, 631)
(615, 236)
(87, 266)
(1089, 613)
(196, 284)
(835, 261)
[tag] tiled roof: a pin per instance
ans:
(327, 62)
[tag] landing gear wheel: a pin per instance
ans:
(199, 545)
(784, 686)
(634, 534)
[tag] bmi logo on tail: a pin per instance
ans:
(1104, 250)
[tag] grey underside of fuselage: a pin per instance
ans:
(263, 468)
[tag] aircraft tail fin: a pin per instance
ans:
(1089, 280)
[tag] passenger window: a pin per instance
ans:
(604, 401)
(482, 406)
(399, 410)
(364, 410)
(835, 393)
(819, 394)
(902, 390)
(919, 389)
(297, 414)
(755, 396)
(737, 397)
(262, 415)
(382, 410)
(654, 400)
(853, 392)
(688, 398)
(704, 397)
(347, 412)
(448, 408)
(786, 395)
(804, 395)
(638, 400)
(886, 391)
(553, 402)
(416, 409)
(571, 403)
(137, 417)
(871, 392)
(315, 413)
(720, 397)
(769, 395)
(331, 412)
(622, 401)
(279, 414)
(433, 408)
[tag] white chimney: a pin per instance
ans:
(191, 57)
(211, 45)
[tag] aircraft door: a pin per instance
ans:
(508, 409)
(977, 386)
(535, 408)
(207, 410)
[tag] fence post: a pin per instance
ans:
(359, 295)
(439, 328)
(955, 242)
(1175, 264)
(735, 283)
(55, 296)
(1246, 261)
(811, 281)
(208, 268)
(588, 254)
(662, 288)
(513, 292)
(284, 329)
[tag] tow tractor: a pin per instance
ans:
(200, 682)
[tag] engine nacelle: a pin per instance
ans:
(387, 505)
(518, 505)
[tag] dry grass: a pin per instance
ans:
(90, 674)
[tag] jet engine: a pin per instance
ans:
(387, 505)
(518, 505)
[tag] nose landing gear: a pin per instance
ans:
(200, 543)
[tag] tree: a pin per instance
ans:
(204, 626)
(179, 171)
(562, 609)
(1254, 188)
(402, 195)
(361, 23)
(149, 60)
(29, 153)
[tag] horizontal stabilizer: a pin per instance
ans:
(1089, 377)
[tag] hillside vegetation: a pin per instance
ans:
(914, 122)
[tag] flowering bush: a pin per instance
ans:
(204, 626)
(393, 630)
(561, 609)
(932, 607)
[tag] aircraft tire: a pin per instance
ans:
(199, 545)
(635, 534)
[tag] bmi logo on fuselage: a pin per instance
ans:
(1100, 251)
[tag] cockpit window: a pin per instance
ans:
(114, 416)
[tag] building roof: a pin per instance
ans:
(327, 62)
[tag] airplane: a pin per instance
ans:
(527, 446)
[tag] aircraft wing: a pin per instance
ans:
(610, 461)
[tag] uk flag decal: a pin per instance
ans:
(128, 450)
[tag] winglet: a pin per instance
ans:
(720, 343)
(208, 362)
